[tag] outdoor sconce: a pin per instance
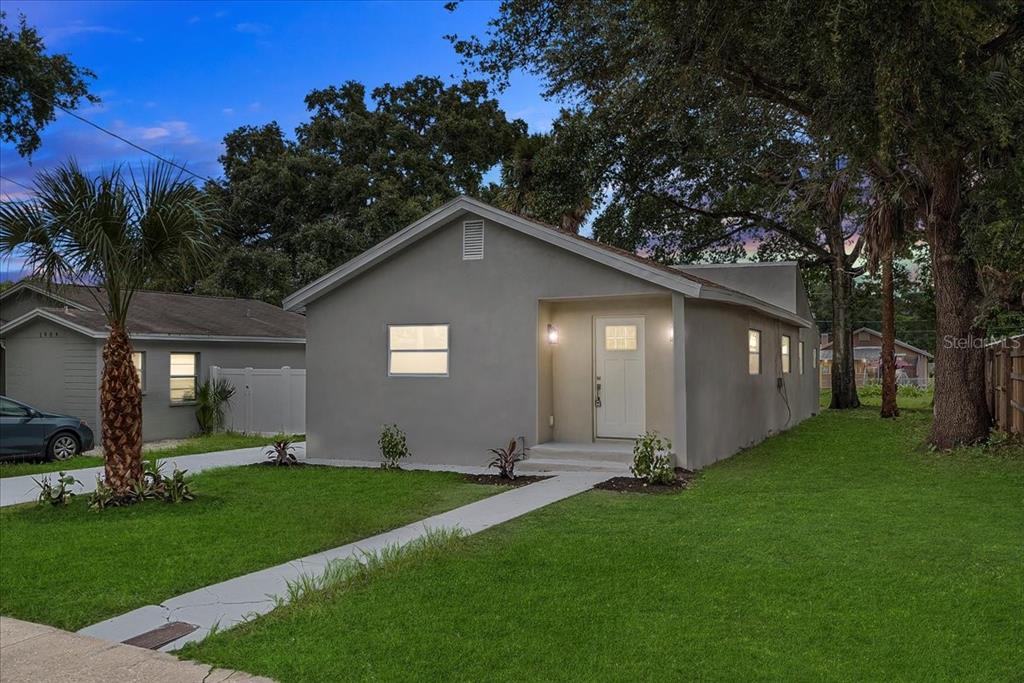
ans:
(552, 334)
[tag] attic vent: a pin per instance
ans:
(472, 240)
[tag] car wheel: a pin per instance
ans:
(63, 446)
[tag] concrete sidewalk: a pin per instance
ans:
(15, 490)
(230, 602)
(33, 652)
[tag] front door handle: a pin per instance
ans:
(597, 399)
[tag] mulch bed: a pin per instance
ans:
(498, 480)
(271, 463)
(634, 485)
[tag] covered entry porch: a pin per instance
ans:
(605, 375)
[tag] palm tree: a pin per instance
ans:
(886, 232)
(115, 232)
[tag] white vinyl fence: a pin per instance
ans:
(266, 401)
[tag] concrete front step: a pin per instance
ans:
(534, 465)
(605, 451)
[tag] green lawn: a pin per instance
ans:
(224, 441)
(73, 567)
(840, 550)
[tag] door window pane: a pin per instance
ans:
(620, 338)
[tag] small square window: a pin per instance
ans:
(418, 350)
(620, 338)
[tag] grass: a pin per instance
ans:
(72, 567)
(223, 441)
(840, 550)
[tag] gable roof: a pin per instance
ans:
(624, 261)
(828, 344)
(165, 315)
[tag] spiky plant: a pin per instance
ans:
(211, 398)
(115, 232)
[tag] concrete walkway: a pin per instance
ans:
(228, 603)
(15, 490)
(32, 652)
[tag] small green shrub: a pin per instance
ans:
(177, 489)
(393, 447)
(212, 396)
(652, 459)
(910, 391)
(505, 459)
(281, 452)
(103, 496)
(56, 494)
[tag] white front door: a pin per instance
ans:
(619, 377)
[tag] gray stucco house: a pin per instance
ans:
(473, 325)
(52, 341)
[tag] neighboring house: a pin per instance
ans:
(53, 349)
(911, 362)
(472, 326)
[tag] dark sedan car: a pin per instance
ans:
(28, 432)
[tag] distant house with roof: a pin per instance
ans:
(52, 340)
(911, 362)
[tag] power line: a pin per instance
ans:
(122, 138)
(15, 182)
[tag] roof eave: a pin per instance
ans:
(452, 209)
(56, 318)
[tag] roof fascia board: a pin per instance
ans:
(52, 317)
(23, 285)
(449, 211)
(42, 313)
(750, 302)
(370, 257)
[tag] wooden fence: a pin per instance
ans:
(1004, 383)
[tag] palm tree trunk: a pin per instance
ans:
(121, 413)
(889, 407)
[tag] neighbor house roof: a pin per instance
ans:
(621, 260)
(828, 344)
(164, 315)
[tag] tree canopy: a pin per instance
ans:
(33, 83)
(353, 174)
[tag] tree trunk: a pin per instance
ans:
(889, 407)
(844, 385)
(121, 413)
(961, 414)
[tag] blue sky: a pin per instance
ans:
(176, 76)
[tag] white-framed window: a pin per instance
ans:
(418, 350)
(800, 356)
(787, 363)
(754, 352)
(184, 377)
(139, 361)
